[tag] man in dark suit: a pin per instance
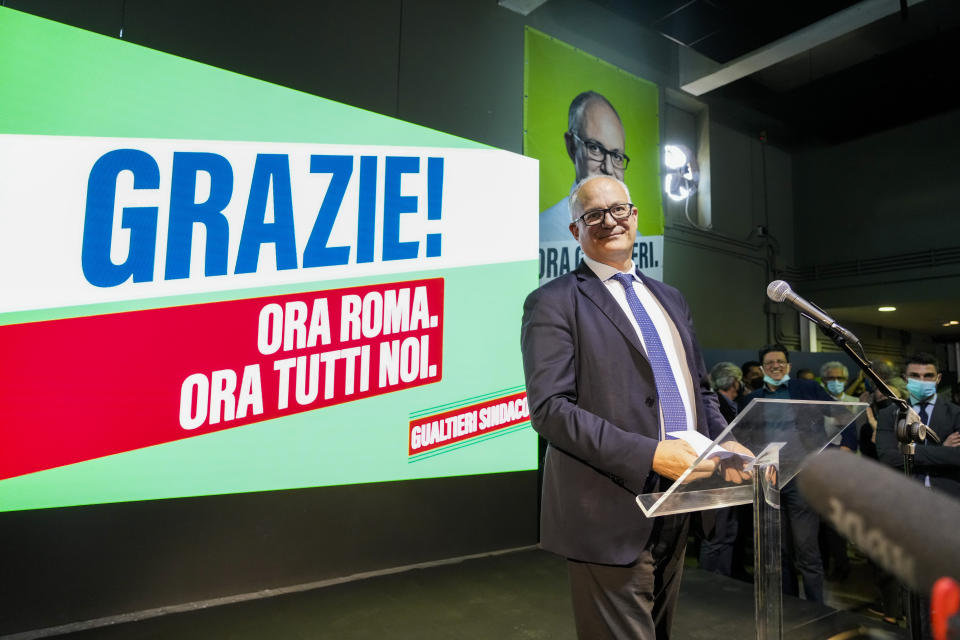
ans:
(612, 367)
(938, 466)
(802, 524)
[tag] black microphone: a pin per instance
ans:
(906, 528)
(780, 291)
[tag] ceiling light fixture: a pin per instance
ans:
(885, 309)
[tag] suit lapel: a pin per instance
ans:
(939, 421)
(592, 287)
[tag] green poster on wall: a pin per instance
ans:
(573, 100)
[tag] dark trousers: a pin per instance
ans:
(635, 601)
(799, 526)
(716, 552)
(833, 552)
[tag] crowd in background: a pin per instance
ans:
(812, 550)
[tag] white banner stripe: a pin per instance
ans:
(488, 214)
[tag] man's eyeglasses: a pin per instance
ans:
(774, 363)
(596, 216)
(596, 151)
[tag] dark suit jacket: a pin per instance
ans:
(800, 389)
(941, 463)
(726, 410)
(592, 396)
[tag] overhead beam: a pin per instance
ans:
(840, 23)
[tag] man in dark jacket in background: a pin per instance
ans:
(937, 465)
(718, 549)
(801, 523)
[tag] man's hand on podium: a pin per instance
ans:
(732, 469)
(673, 456)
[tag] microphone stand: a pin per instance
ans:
(909, 431)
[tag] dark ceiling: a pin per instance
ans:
(896, 70)
(890, 72)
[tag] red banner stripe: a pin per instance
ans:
(83, 388)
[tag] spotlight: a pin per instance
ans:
(682, 175)
(674, 157)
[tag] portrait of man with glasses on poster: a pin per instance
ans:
(584, 117)
(595, 142)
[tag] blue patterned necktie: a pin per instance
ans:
(671, 405)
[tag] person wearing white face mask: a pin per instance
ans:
(801, 523)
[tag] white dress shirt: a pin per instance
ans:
(657, 316)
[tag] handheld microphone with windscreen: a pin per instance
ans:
(906, 528)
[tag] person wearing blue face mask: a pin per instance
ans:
(833, 546)
(834, 376)
(938, 466)
(935, 465)
(801, 524)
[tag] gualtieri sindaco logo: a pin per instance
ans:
(458, 424)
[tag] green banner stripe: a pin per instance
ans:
(349, 443)
(48, 89)
(462, 403)
(483, 396)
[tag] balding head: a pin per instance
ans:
(595, 131)
(609, 240)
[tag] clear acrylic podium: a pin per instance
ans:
(780, 434)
